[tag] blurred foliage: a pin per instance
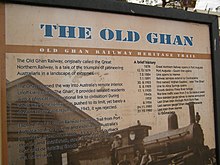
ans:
(179, 3)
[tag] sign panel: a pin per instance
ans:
(87, 87)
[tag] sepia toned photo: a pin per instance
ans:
(41, 134)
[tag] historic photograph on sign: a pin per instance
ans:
(94, 88)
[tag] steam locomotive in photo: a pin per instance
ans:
(176, 146)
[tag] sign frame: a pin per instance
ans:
(109, 6)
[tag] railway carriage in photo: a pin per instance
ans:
(176, 146)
